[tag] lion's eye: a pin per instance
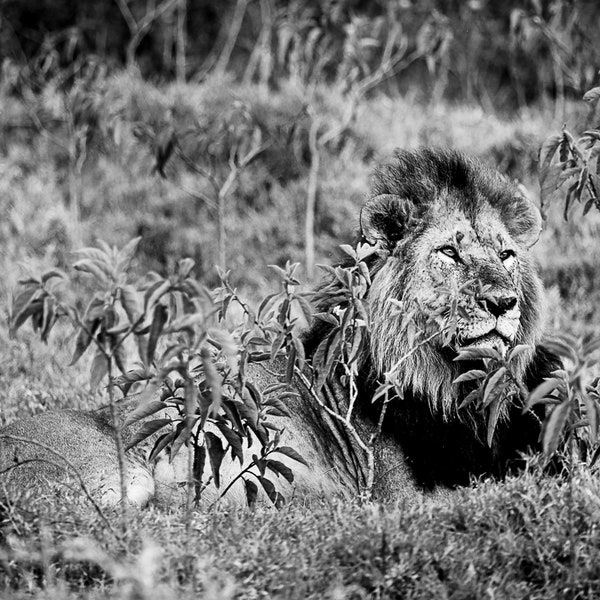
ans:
(449, 251)
(506, 254)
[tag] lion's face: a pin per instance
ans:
(454, 237)
(455, 253)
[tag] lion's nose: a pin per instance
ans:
(497, 305)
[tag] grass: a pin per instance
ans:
(501, 540)
(508, 539)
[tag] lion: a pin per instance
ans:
(435, 218)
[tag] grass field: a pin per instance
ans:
(528, 537)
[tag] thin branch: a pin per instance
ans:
(349, 427)
(127, 15)
(396, 366)
(311, 197)
(232, 35)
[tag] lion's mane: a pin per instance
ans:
(443, 443)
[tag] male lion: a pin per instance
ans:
(436, 218)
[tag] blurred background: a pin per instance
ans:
(243, 132)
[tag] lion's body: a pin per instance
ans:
(438, 219)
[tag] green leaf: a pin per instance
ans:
(127, 379)
(234, 439)
(554, 427)
(269, 488)
(184, 267)
(119, 352)
(144, 410)
(281, 469)
(82, 342)
(227, 344)
(249, 409)
(547, 151)
(251, 491)
(198, 468)
(130, 302)
(182, 436)
(282, 274)
(291, 363)
(161, 443)
(549, 184)
(215, 455)
(305, 307)
(155, 292)
(48, 317)
(560, 347)
(494, 387)
(327, 318)
(291, 453)
(161, 314)
(470, 398)
(478, 354)
(126, 254)
(146, 430)
(517, 351)
(92, 268)
(276, 345)
(92, 253)
(233, 415)
(349, 250)
(591, 412)
(53, 273)
(26, 303)
(495, 411)
(543, 391)
(213, 379)
(471, 375)
(98, 370)
(276, 403)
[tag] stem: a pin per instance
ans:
(368, 489)
(190, 410)
(239, 476)
(221, 233)
(396, 366)
(120, 448)
(232, 36)
(572, 547)
(181, 41)
(311, 198)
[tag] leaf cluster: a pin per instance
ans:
(569, 166)
(172, 339)
(572, 406)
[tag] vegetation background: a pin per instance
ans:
(243, 134)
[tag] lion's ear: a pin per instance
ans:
(384, 218)
(527, 222)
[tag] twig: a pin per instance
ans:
(138, 29)
(396, 366)
(311, 197)
(233, 32)
(118, 437)
(349, 427)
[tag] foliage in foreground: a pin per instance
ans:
(510, 539)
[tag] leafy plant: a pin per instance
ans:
(575, 177)
(576, 174)
(191, 366)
